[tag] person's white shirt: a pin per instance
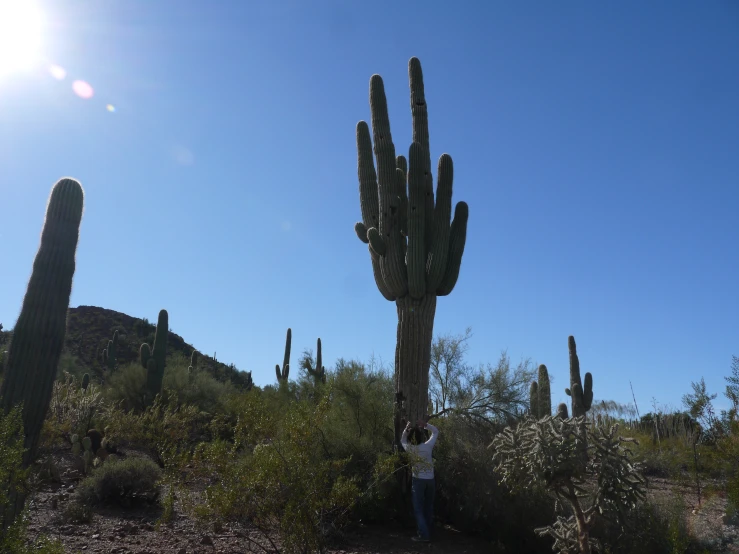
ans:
(423, 464)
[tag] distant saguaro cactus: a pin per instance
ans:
(283, 374)
(110, 356)
(153, 359)
(319, 372)
(582, 398)
(415, 252)
(540, 397)
(38, 336)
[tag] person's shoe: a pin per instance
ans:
(416, 538)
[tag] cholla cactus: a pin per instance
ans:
(283, 374)
(548, 453)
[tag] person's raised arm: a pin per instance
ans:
(404, 436)
(434, 434)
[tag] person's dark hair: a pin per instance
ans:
(417, 436)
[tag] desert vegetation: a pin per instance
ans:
(110, 420)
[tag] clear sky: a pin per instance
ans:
(597, 145)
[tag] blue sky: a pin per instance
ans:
(595, 143)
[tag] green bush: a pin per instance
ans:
(127, 386)
(276, 475)
(121, 482)
(470, 497)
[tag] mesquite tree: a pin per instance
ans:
(415, 252)
(38, 336)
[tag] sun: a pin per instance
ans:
(20, 35)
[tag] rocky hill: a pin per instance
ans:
(89, 328)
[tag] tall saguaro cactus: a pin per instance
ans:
(415, 252)
(283, 374)
(153, 359)
(38, 336)
(540, 396)
(582, 398)
(319, 372)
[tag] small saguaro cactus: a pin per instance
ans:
(540, 398)
(582, 398)
(283, 374)
(562, 411)
(319, 372)
(85, 381)
(110, 357)
(193, 363)
(153, 359)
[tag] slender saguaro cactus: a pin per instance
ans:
(540, 397)
(153, 359)
(319, 372)
(38, 336)
(110, 353)
(283, 374)
(582, 399)
(415, 252)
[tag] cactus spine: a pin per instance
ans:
(153, 359)
(319, 372)
(582, 398)
(38, 336)
(283, 374)
(540, 398)
(415, 253)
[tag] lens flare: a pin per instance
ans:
(83, 89)
(58, 72)
(110, 108)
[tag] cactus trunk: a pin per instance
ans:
(413, 354)
(39, 333)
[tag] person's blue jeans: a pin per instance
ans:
(423, 491)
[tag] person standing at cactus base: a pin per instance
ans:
(424, 484)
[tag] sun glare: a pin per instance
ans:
(20, 35)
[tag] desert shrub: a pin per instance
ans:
(470, 497)
(276, 475)
(165, 429)
(126, 386)
(359, 421)
(121, 482)
(72, 408)
(198, 387)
